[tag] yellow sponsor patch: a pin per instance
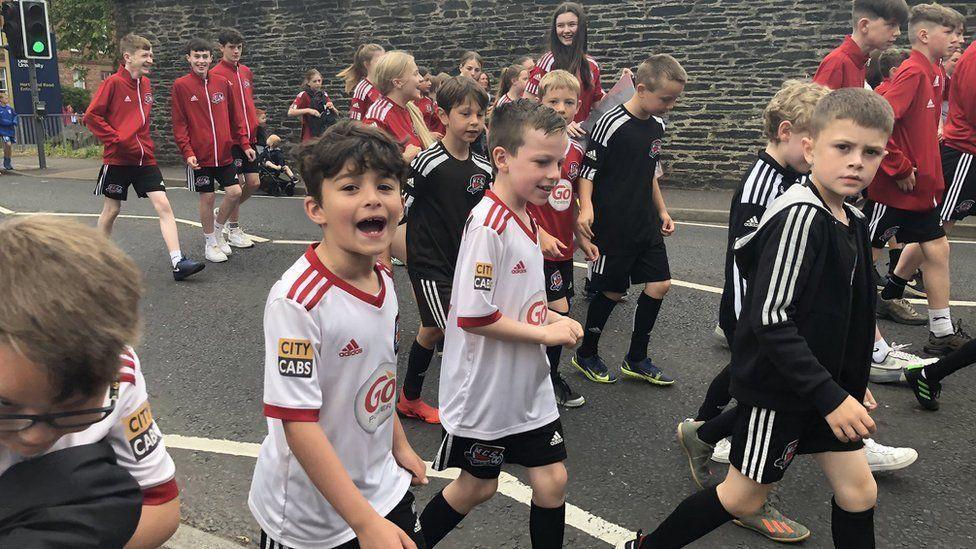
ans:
(141, 431)
(295, 357)
(484, 276)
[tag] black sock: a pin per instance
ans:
(596, 319)
(694, 517)
(894, 287)
(894, 254)
(717, 397)
(417, 365)
(718, 427)
(546, 526)
(644, 318)
(554, 353)
(851, 530)
(952, 362)
(438, 519)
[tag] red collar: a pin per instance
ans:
(852, 50)
(530, 232)
(230, 65)
(332, 278)
(126, 76)
(922, 61)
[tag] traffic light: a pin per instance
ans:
(12, 29)
(36, 29)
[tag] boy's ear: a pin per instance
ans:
(314, 211)
(862, 25)
(785, 131)
(807, 143)
(500, 158)
(443, 116)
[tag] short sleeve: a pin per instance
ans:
(598, 93)
(593, 160)
(302, 101)
(291, 361)
(480, 254)
(138, 441)
(532, 86)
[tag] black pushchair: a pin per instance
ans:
(274, 182)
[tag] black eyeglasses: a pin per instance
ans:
(13, 423)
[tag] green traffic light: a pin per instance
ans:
(38, 46)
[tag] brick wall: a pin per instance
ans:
(737, 53)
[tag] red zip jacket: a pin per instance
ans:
(119, 118)
(915, 93)
(242, 81)
(205, 121)
(960, 126)
(844, 67)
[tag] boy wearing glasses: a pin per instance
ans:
(73, 399)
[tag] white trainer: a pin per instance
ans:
(892, 370)
(222, 243)
(237, 238)
(213, 254)
(719, 334)
(722, 450)
(888, 458)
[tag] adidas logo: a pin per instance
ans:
(194, 98)
(519, 268)
(752, 223)
(128, 99)
(351, 348)
(591, 155)
(556, 439)
(931, 105)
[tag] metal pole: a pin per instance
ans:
(39, 131)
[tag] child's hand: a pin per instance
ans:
(908, 184)
(551, 246)
(626, 73)
(409, 460)
(411, 152)
(575, 130)
(192, 162)
(584, 223)
(589, 249)
(437, 135)
(315, 113)
(667, 224)
(869, 402)
(383, 534)
(850, 421)
(564, 331)
(250, 154)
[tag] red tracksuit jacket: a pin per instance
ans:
(960, 126)
(845, 67)
(915, 93)
(242, 80)
(119, 118)
(207, 120)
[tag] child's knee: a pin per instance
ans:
(428, 337)
(658, 290)
(112, 208)
(480, 490)
(859, 496)
(549, 485)
(233, 192)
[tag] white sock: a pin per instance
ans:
(881, 350)
(175, 257)
(210, 238)
(940, 323)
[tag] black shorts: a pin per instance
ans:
(205, 180)
(484, 458)
(241, 163)
(113, 181)
(959, 201)
(906, 226)
(404, 515)
(559, 280)
(433, 300)
(616, 273)
(764, 442)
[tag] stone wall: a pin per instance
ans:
(737, 53)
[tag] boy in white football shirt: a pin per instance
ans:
(335, 469)
(497, 402)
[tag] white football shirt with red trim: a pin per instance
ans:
(133, 434)
(330, 358)
(490, 388)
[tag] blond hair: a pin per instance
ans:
(558, 80)
(131, 43)
(69, 301)
(355, 72)
(391, 66)
(273, 140)
(657, 68)
(793, 103)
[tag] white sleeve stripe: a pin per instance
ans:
(607, 120)
(482, 163)
(786, 268)
(738, 288)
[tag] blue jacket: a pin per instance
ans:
(8, 121)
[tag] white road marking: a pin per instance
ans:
(120, 216)
(508, 485)
(181, 186)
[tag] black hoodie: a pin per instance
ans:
(806, 330)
